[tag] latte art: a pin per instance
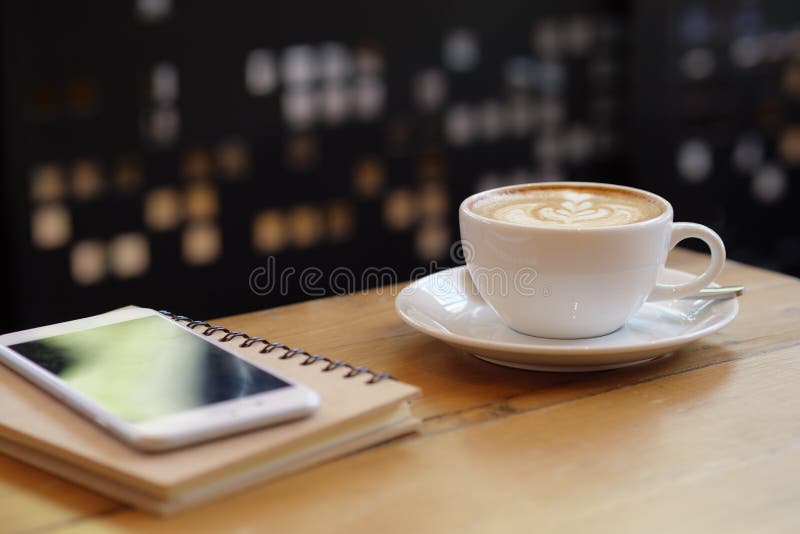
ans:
(569, 212)
(561, 207)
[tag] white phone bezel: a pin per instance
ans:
(171, 431)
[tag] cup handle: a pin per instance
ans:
(681, 231)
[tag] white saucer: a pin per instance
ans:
(444, 306)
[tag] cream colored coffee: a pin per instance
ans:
(560, 207)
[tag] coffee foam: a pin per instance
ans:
(565, 207)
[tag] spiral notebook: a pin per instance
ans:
(359, 408)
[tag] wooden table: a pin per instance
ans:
(706, 441)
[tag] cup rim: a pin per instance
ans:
(667, 215)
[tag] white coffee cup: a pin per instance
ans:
(576, 282)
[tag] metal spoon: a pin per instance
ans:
(723, 292)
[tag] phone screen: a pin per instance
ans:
(146, 368)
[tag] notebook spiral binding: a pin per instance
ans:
(249, 341)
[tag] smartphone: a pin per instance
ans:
(151, 382)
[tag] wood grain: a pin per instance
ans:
(708, 440)
(32, 499)
(676, 450)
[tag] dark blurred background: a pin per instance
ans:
(157, 151)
